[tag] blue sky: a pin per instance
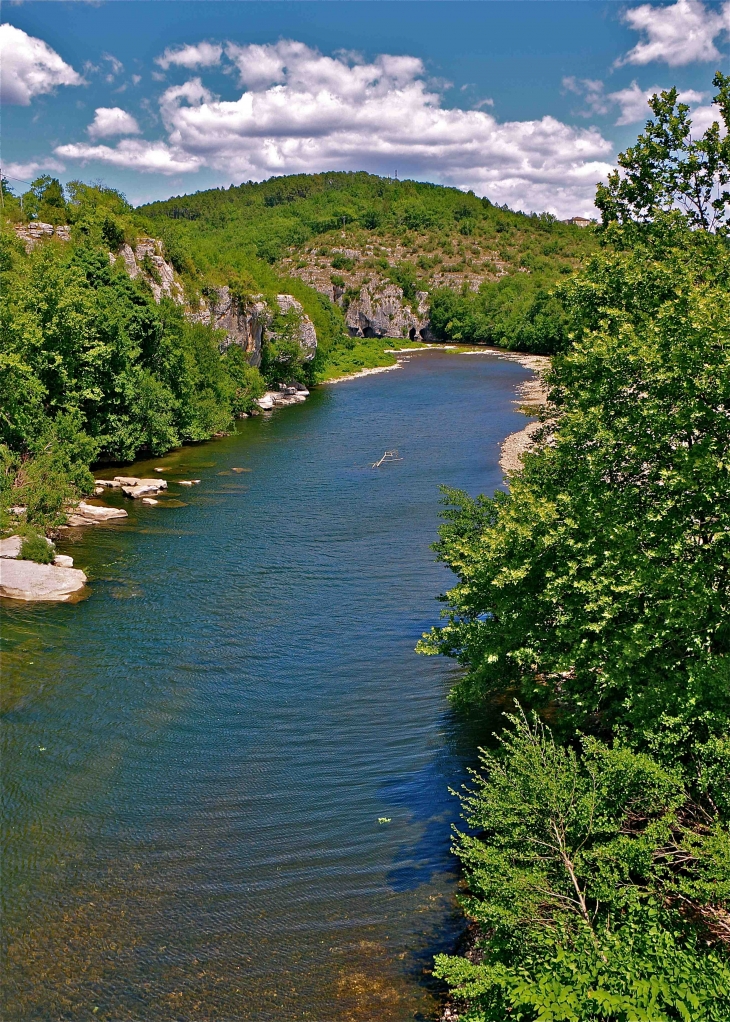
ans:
(527, 102)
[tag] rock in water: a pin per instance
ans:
(92, 514)
(63, 561)
(26, 580)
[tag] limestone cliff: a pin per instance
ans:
(380, 311)
(305, 333)
(245, 323)
(146, 261)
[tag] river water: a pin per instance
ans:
(197, 756)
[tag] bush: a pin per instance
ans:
(37, 548)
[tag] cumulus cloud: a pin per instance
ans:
(202, 55)
(633, 102)
(134, 154)
(682, 33)
(112, 120)
(29, 67)
(27, 171)
(302, 111)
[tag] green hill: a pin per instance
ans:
(487, 270)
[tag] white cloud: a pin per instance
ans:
(202, 55)
(305, 112)
(592, 91)
(134, 154)
(27, 171)
(112, 120)
(633, 102)
(678, 34)
(29, 67)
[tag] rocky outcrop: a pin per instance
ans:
(305, 333)
(292, 395)
(245, 323)
(146, 261)
(379, 311)
(30, 234)
(93, 514)
(26, 580)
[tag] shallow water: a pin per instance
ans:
(196, 757)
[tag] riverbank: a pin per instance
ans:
(530, 395)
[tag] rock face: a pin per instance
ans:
(26, 580)
(245, 323)
(32, 233)
(306, 334)
(379, 311)
(146, 260)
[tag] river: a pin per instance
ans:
(196, 757)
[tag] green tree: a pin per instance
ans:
(668, 168)
(598, 884)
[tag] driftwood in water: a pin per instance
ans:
(388, 456)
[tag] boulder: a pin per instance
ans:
(144, 488)
(93, 514)
(159, 484)
(10, 547)
(267, 401)
(26, 580)
(63, 561)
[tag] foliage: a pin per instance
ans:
(598, 884)
(37, 548)
(91, 366)
(408, 231)
(522, 315)
(668, 168)
(597, 591)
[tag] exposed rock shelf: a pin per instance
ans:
(28, 581)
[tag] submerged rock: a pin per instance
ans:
(26, 580)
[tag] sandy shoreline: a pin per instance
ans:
(531, 394)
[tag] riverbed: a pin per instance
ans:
(226, 771)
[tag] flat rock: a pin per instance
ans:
(10, 547)
(149, 500)
(93, 514)
(110, 484)
(26, 580)
(143, 489)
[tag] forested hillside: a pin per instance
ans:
(488, 271)
(595, 594)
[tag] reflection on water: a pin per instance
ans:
(196, 757)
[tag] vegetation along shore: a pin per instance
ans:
(131, 331)
(591, 596)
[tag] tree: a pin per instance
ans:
(669, 169)
(598, 885)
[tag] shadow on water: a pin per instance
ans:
(196, 758)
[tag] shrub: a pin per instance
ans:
(37, 548)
